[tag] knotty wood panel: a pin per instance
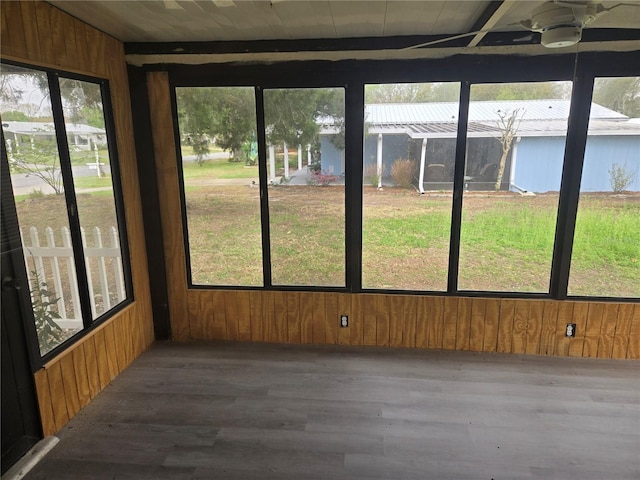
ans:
(491, 325)
(505, 330)
(293, 318)
(549, 329)
(576, 344)
(410, 312)
(623, 330)
(608, 331)
(331, 318)
(318, 313)
(633, 351)
(45, 405)
(58, 398)
(70, 385)
(463, 323)
(426, 322)
(476, 329)
(279, 331)
(381, 309)
(432, 313)
(306, 317)
(356, 320)
(593, 330)
(534, 326)
(81, 375)
(451, 323)
(369, 320)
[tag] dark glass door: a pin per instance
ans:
(21, 428)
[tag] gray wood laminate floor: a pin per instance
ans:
(247, 411)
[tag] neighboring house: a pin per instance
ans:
(534, 163)
(78, 135)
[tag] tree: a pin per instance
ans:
(15, 116)
(39, 159)
(619, 94)
(225, 115)
(519, 91)
(508, 123)
(292, 115)
(412, 92)
(398, 93)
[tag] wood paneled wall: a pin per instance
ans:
(38, 34)
(604, 330)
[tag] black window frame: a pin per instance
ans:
(89, 324)
(579, 68)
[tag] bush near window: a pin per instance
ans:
(402, 173)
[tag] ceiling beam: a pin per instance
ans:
(489, 18)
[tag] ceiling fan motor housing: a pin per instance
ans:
(561, 23)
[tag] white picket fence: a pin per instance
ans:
(54, 264)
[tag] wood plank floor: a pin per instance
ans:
(249, 411)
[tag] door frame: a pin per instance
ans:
(20, 330)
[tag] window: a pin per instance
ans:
(515, 149)
(221, 188)
(409, 158)
(606, 247)
(306, 170)
(83, 111)
(427, 211)
(74, 260)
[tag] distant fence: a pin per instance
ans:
(55, 266)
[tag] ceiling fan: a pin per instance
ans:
(560, 22)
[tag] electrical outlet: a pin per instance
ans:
(344, 321)
(571, 330)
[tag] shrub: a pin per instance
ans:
(315, 167)
(402, 172)
(620, 177)
(322, 179)
(371, 175)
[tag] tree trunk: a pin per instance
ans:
(503, 161)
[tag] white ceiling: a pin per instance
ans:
(229, 20)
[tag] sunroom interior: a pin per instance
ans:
(375, 181)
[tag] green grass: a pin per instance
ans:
(92, 182)
(506, 243)
(219, 168)
(187, 150)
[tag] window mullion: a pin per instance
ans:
(458, 186)
(70, 197)
(354, 154)
(570, 184)
(264, 195)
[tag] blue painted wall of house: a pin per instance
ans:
(330, 157)
(538, 165)
(601, 153)
(539, 162)
(393, 148)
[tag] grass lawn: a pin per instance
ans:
(506, 240)
(217, 168)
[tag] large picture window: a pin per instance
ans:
(515, 148)
(305, 137)
(409, 159)
(219, 159)
(606, 246)
(458, 185)
(61, 163)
